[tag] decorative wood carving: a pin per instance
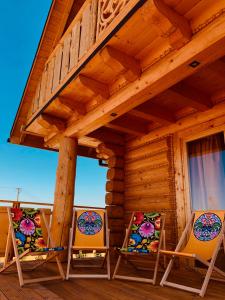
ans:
(108, 10)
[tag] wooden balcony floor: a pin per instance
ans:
(95, 289)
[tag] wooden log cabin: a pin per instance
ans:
(139, 84)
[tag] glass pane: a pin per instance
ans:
(207, 172)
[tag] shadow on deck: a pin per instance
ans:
(95, 289)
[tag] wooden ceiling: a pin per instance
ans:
(140, 46)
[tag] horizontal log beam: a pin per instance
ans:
(207, 46)
(110, 149)
(115, 211)
(114, 198)
(115, 186)
(116, 162)
(116, 174)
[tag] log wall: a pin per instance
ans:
(150, 182)
(114, 199)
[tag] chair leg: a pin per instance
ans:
(117, 266)
(156, 268)
(108, 264)
(209, 272)
(168, 269)
(68, 263)
(60, 268)
(19, 271)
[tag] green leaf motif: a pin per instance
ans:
(152, 215)
(157, 233)
(39, 231)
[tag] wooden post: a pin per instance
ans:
(64, 191)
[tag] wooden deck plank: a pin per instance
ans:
(95, 289)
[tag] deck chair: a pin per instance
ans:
(204, 234)
(26, 235)
(89, 232)
(144, 236)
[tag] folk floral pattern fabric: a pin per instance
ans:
(89, 223)
(145, 233)
(27, 229)
(207, 227)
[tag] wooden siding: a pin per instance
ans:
(149, 182)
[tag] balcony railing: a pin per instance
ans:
(87, 28)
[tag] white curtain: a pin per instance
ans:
(207, 172)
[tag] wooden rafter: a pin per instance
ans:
(128, 126)
(71, 105)
(118, 60)
(98, 88)
(107, 135)
(154, 113)
(192, 97)
(169, 23)
(51, 123)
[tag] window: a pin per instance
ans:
(206, 159)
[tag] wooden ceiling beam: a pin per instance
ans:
(118, 60)
(52, 140)
(218, 96)
(98, 88)
(169, 23)
(51, 123)
(71, 105)
(207, 46)
(192, 97)
(154, 113)
(107, 135)
(129, 127)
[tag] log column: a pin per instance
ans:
(64, 191)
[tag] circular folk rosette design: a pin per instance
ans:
(27, 229)
(89, 223)
(207, 227)
(145, 232)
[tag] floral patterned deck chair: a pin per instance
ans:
(144, 236)
(89, 232)
(26, 234)
(204, 234)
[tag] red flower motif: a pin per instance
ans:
(17, 214)
(138, 218)
(157, 223)
(153, 246)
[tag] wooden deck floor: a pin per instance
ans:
(99, 289)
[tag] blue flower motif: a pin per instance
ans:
(20, 237)
(136, 237)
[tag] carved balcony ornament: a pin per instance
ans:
(108, 10)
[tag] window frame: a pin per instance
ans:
(182, 174)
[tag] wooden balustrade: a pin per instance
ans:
(86, 28)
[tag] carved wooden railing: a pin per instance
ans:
(85, 30)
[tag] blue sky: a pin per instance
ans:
(31, 169)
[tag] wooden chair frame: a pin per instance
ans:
(211, 265)
(104, 249)
(141, 279)
(11, 239)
